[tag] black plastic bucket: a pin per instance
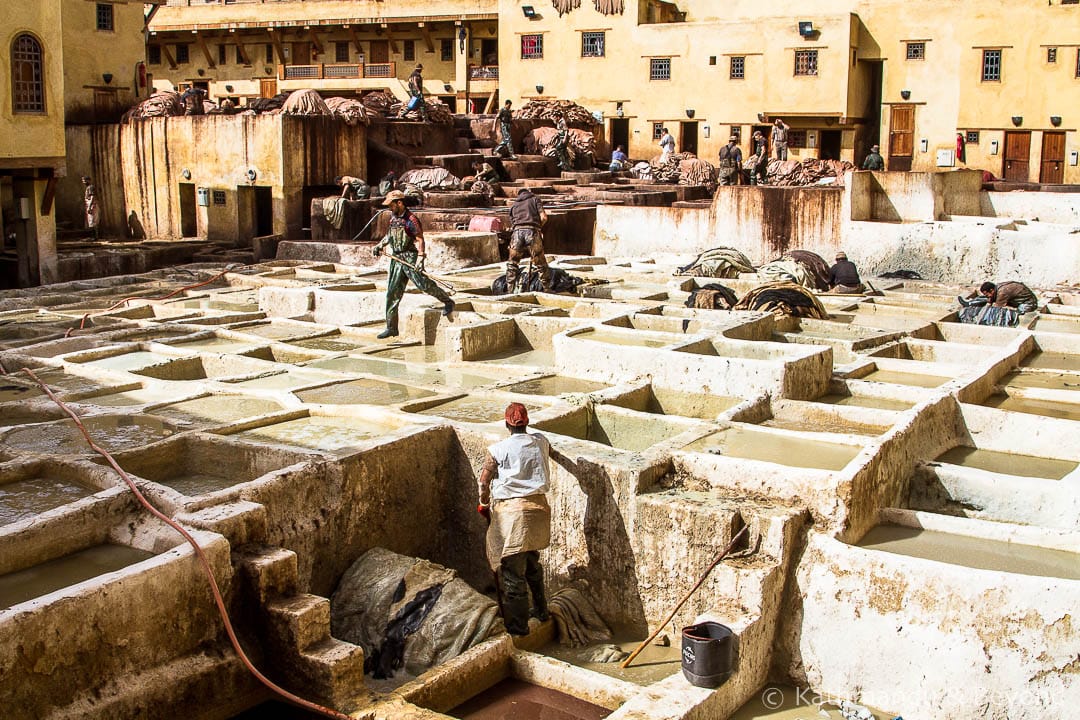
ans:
(708, 651)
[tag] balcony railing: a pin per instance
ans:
(337, 71)
(483, 72)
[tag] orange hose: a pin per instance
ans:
(285, 694)
(119, 303)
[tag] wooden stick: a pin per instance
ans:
(721, 556)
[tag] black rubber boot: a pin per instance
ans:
(448, 307)
(387, 333)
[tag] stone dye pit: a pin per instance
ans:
(911, 486)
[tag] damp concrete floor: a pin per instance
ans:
(910, 484)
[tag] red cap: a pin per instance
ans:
(516, 415)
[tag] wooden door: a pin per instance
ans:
(901, 137)
(1053, 158)
(380, 52)
(106, 106)
(1017, 156)
(267, 88)
(301, 53)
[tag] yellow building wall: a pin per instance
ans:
(91, 54)
(32, 140)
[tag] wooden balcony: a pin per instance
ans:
(337, 71)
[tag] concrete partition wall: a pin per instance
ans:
(1047, 207)
(912, 197)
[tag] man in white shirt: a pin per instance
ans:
(667, 146)
(512, 487)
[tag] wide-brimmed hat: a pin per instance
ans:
(516, 415)
(394, 195)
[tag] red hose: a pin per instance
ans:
(119, 303)
(306, 704)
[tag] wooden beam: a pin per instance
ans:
(168, 56)
(315, 41)
(427, 37)
(390, 39)
(243, 53)
(356, 41)
(206, 50)
(47, 197)
(490, 102)
(276, 40)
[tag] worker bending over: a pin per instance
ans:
(527, 217)
(844, 276)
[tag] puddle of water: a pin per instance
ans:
(1008, 463)
(784, 702)
(1047, 380)
(420, 374)
(653, 664)
(867, 401)
(632, 338)
(513, 698)
(13, 391)
(1052, 360)
(330, 344)
(413, 353)
(556, 385)
(1047, 408)
(280, 381)
(24, 499)
(824, 425)
(363, 391)
(218, 409)
(1058, 325)
(634, 433)
(112, 432)
(329, 434)
(695, 405)
(274, 332)
(59, 380)
(140, 396)
(905, 378)
(973, 552)
(128, 361)
(197, 484)
(215, 345)
(469, 409)
(65, 571)
(19, 416)
(793, 451)
(522, 356)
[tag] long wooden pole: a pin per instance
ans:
(661, 626)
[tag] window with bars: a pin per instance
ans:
(736, 132)
(737, 70)
(532, 47)
(27, 75)
(660, 69)
(341, 52)
(219, 197)
(592, 44)
(408, 49)
(657, 130)
(153, 54)
(1051, 55)
(105, 17)
(971, 137)
(183, 53)
(991, 66)
(916, 51)
(222, 58)
(806, 62)
(796, 138)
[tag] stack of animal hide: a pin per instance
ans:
(712, 296)
(379, 102)
(437, 112)
(670, 171)
(561, 282)
(720, 262)
(694, 171)
(552, 109)
(787, 271)
(435, 178)
(810, 171)
(164, 103)
(541, 141)
(305, 102)
(815, 266)
(579, 624)
(352, 111)
(783, 298)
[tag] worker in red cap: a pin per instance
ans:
(512, 487)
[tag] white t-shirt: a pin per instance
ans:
(523, 466)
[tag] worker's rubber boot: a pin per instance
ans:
(387, 333)
(514, 602)
(448, 307)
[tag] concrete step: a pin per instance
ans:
(300, 621)
(269, 572)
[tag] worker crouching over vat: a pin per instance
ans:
(512, 485)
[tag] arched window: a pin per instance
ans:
(27, 75)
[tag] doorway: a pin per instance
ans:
(829, 144)
(901, 137)
(380, 52)
(264, 211)
(301, 53)
(619, 132)
(267, 87)
(189, 225)
(489, 51)
(1017, 156)
(688, 135)
(1052, 170)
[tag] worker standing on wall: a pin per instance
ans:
(504, 122)
(874, 161)
(729, 168)
(562, 139)
(527, 218)
(779, 138)
(406, 240)
(416, 94)
(90, 205)
(512, 487)
(759, 161)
